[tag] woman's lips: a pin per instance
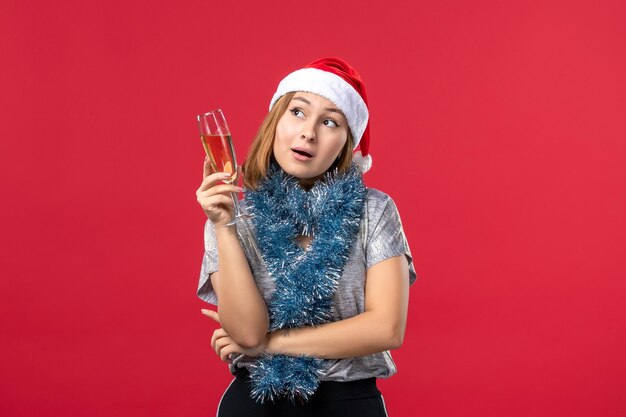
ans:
(301, 155)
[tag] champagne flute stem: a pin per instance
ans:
(237, 209)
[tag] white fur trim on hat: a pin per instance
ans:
(332, 87)
(363, 162)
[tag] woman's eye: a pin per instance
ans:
(297, 112)
(330, 123)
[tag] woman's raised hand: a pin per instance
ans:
(213, 195)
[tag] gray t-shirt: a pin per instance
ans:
(381, 237)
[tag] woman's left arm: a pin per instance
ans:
(380, 327)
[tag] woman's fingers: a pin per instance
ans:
(224, 346)
(207, 169)
(219, 189)
(211, 314)
(226, 351)
(215, 202)
(217, 334)
(221, 343)
(212, 179)
(215, 196)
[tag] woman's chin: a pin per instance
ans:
(301, 171)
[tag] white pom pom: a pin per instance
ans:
(363, 162)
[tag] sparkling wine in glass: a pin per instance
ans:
(218, 146)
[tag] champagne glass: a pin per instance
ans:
(218, 146)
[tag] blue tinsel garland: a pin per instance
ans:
(305, 280)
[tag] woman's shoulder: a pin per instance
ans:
(377, 200)
(379, 206)
(376, 195)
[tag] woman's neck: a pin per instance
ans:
(307, 183)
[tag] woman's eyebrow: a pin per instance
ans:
(304, 100)
(332, 109)
(329, 109)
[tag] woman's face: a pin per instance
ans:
(309, 136)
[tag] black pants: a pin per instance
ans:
(332, 399)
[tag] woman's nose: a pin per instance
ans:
(308, 132)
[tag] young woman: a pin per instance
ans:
(313, 286)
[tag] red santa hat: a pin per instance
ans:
(335, 80)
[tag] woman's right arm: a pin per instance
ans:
(241, 307)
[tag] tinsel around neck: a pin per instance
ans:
(291, 200)
(305, 279)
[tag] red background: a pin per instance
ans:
(497, 127)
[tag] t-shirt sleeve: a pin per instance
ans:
(209, 265)
(386, 238)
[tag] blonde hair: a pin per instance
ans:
(262, 149)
